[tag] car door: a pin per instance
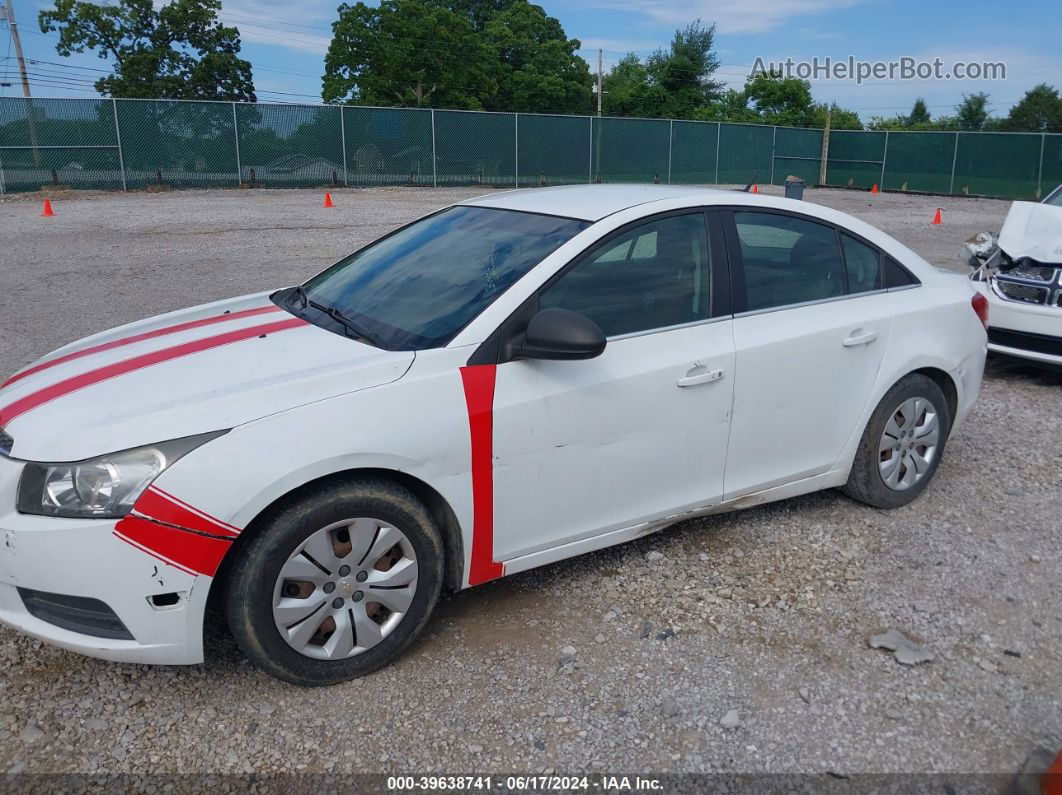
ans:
(810, 331)
(640, 432)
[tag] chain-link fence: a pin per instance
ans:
(161, 144)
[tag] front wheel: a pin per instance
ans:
(902, 444)
(337, 583)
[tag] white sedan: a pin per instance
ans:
(505, 383)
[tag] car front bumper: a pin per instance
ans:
(1027, 331)
(75, 584)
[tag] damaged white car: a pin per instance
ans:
(1020, 272)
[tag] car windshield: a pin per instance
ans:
(418, 287)
(1055, 197)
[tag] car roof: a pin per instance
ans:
(592, 202)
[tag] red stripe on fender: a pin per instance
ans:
(197, 553)
(65, 387)
(156, 504)
(153, 554)
(479, 382)
(147, 335)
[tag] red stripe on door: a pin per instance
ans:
(157, 504)
(478, 382)
(187, 550)
(73, 384)
(147, 335)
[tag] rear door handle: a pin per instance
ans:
(859, 337)
(701, 378)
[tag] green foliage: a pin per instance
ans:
(176, 51)
(769, 98)
(919, 117)
(490, 56)
(536, 69)
(674, 83)
(972, 113)
(406, 53)
(1040, 110)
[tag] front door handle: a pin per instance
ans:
(700, 378)
(859, 337)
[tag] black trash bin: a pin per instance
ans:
(794, 188)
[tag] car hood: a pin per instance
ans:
(1034, 231)
(202, 369)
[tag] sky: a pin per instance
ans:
(285, 41)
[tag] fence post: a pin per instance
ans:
(670, 139)
(954, 157)
(884, 157)
(236, 134)
(774, 151)
(343, 141)
(516, 150)
(1039, 173)
(2, 190)
(718, 135)
(434, 162)
(118, 136)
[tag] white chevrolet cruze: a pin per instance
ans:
(505, 383)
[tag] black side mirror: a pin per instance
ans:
(561, 334)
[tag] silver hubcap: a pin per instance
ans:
(909, 444)
(345, 589)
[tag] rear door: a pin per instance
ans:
(810, 330)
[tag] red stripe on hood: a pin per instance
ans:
(73, 384)
(147, 335)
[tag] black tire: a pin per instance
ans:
(865, 482)
(251, 580)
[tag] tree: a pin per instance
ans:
(840, 118)
(972, 112)
(777, 100)
(630, 91)
(536, 70)
(478, 12)
(407, 53)
(684, 72)
(1040, 110)
(919, 116)
(176, 51)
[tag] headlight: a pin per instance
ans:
(100, 488)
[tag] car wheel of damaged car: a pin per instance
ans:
(902, 444)
(337, 582)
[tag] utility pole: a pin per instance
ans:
(600, 58)
(18, 49)
(600, 93)
(25, 80)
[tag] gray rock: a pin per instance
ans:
(32, 733)
(653, 556)
(907, 652)
(567, 651)
(669, 707)
(731, 720)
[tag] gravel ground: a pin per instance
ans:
(737, 643)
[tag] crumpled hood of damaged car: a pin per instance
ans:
(202, 369)
(1033, 230)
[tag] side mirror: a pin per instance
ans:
(561, 334)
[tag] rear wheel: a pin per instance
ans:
(902, 444)
(336, 584)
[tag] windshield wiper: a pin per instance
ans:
(352, 327)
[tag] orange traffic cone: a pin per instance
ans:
(328, 200)
(1051, 781)
(47, 212)
(755, 188)
(875, 188)
(936, 218)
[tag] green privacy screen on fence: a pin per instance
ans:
(131, 144)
